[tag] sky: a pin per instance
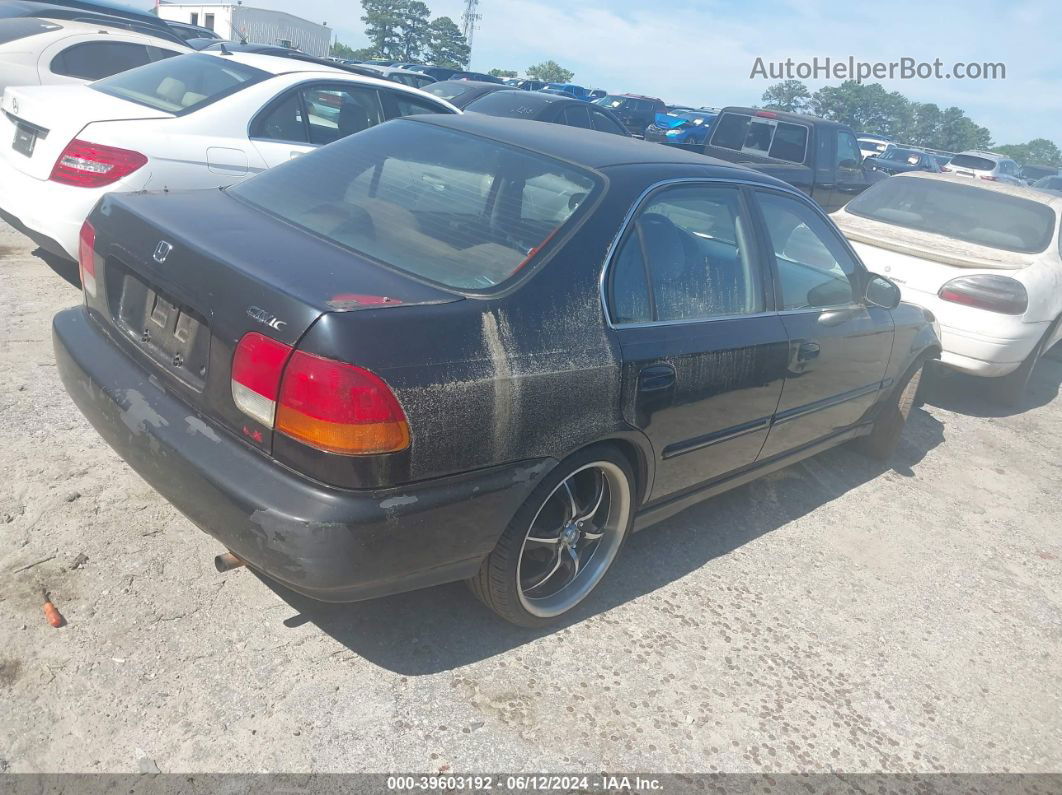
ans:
(701, 52)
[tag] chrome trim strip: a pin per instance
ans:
(826, 403)
(725, 435)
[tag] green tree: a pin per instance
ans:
(924, 129)
(550, 72)
(1039, 151)
(340, 50)
(957, 132)
(413, 27)
(789, 95)
(502, 73)
(383, 27)
(447, 45)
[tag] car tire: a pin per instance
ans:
(562, 541)
(885, 435)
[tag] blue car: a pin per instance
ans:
(579, 92)
(681, 126)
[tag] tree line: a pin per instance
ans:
(403, 30)
(869, 108)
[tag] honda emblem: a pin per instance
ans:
(162, 250)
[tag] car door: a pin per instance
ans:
(839, 346)
(851, 176)
(311, 115)
(703, 354)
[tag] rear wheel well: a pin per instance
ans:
(635, 457)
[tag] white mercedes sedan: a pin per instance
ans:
(201, 120)
(984, 257)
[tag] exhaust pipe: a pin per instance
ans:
(227, 561)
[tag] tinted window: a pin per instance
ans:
(791, 143)
(284, 121)
(963, 212)
(602, 122)
(575, 116)
(21, 27)
(406, 105)
(972, 162)
(686, 258)
(453, 208)
(848, 154)
(730, 131)
(92, 60)
(814, 269)
(512, 104)
(334, 112)
(181, 84)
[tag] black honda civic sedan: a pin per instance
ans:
(475, 348)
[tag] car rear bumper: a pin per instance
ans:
(330, 544)
(49, 213)
(986, 355)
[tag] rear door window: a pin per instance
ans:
(398, 104)
(336, 111)
(92, 60)
(603, 123)
(575, 116)
(686, 257)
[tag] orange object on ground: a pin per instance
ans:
(55, 618)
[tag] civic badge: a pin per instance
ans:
(162, 250)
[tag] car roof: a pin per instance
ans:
(92, 14)
(781, 115)
(589, 148)
(1022, 191)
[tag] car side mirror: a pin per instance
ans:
(849, 163)
(882, 292)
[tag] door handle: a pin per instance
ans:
(656, 378)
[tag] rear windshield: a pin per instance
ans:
(763, 137)
(21, 27)
(182, 84)
(972, 161)
(450, 89)
(974, 215)
(452, 208)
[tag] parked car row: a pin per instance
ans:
(479, 332)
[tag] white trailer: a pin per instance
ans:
(256, 25)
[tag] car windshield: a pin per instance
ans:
(181, 84)
(972, 161)
(612, 102)
(456, 209)
(983, 216)
(902, 155)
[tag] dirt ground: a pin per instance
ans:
(837, 616)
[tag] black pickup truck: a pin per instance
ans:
(820, 157)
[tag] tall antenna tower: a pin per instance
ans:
(470, 20)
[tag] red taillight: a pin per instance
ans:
(339, 408)
(257, 366)
(987, 291)
(767, 114)
(89, 165)
(989, 177)
(86, 258)
(328, 405)
(945, 168)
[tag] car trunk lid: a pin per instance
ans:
(186, 275)
(39, 121)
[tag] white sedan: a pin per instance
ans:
(201, 120)
(986, 259)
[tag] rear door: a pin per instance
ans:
(839, 347)
(704, 358)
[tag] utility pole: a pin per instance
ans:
(469, 22)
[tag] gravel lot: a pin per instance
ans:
(835, 616)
